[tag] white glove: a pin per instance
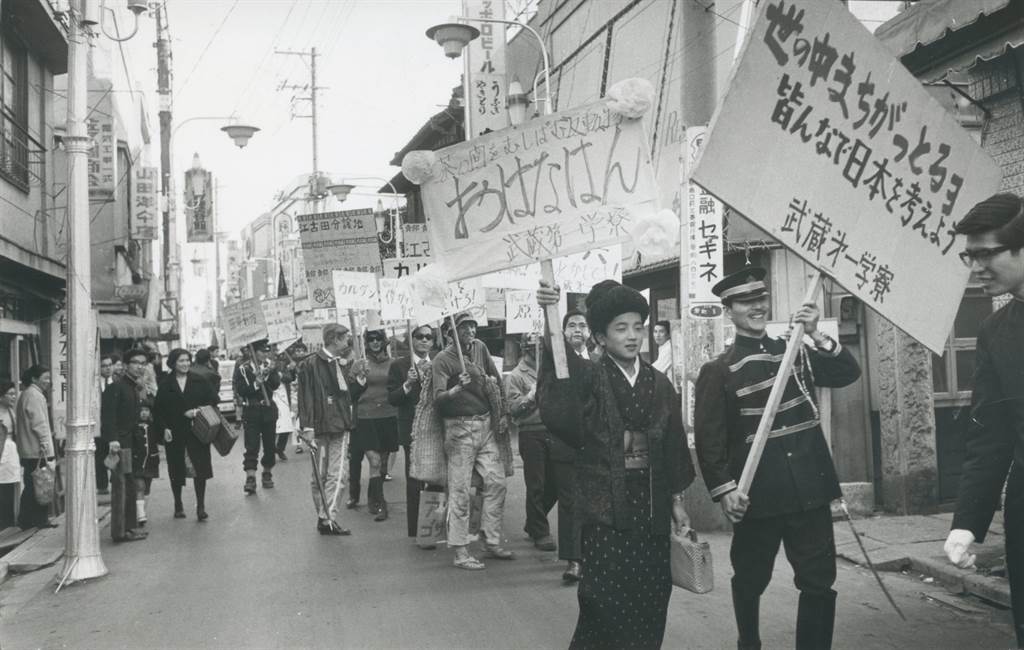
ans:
(957, 546)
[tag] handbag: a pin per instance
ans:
(225, 439)
(43, 483)
(691, 562)
(206, 424)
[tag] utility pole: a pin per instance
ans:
(171, 266)
(82, 559)
(315, 190)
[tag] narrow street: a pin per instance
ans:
(257, 575)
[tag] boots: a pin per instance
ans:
(375, 498)
(815, 616)
(747, 611)
(268, 480)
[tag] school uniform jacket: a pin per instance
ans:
(796, 471)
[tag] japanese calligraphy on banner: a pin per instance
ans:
(487, 87)
(279, 315)
(829, 144)
(243, 323)
(355, 290)
(522, 313)
(145, 209)
(558, 184)
(103, 149)
(336, 241)
(464, 295)
(575, 273)
(199, 205)
(397, 301)
(704, 237)
(415, 252)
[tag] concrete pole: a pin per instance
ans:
(82, 559)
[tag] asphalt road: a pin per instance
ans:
(257, 575)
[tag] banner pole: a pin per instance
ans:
(554, 318)
(357, 343)
(252, 359)
(458, 346)
(796, 339)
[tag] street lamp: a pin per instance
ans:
(454, 37)
(378, 217)
(240, 133)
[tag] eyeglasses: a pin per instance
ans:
(981, 255)
(374, 339)
(423, 337)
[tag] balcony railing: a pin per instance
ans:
(21, 156)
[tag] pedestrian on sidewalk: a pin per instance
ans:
(537, 447)
(995, 439)
(35, 443)
(177, 401)
(254, 383)
(405, 379)
(467, 404)
(119, 421)
(376, 432)
(795, 481)
(10, 465)
(328, 384)
(632, 467)
(203, 368)
(146, 461)
(108, 363)
(282, 398)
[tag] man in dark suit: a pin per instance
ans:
(405, 379)
(108, 365)
(119, 418)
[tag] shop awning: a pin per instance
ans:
(935, 37)
(126, 326)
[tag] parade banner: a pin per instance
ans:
(279, 315)
(199, 205)
(829, 144)
(336, 241)
(355, 290)
(558, 184)
(415, 252)
(522, 313)
(576, 273)
(145, 184)
(243, 323)
(397, 301)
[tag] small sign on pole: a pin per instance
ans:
(279, 314)
(243, 323)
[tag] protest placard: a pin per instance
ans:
(396, 299)
(522, 313)
(463, 295)
(355, 290)
(829, 144)
(243, 323)
(415, 252)
(336, 241)
(558, 184)
(279, 315)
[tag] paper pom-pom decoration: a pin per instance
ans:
(631, 98)
(418, 166)
(430, 286)
(657, 235)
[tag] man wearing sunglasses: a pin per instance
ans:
(995, 439)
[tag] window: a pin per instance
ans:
(14, 143)
(953, 370)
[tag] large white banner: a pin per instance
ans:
(829, 144)
(559, 184)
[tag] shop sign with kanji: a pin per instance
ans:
(145, 207)
(828, 143)
(559, 184)
(336, 241)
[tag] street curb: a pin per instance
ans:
(969, 581)
(3, 572)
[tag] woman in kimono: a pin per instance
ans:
(632, 466)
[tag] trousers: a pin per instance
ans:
(569, 535)
(469, 444)
(330, 456)
(541, 481)
(1013, 524)
(123, 513)
(102, 473)
(259, 426)
(30, 513)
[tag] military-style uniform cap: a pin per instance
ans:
(745, 284)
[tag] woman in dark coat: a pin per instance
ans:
(632, 466)
(177, 401)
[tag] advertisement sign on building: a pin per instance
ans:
(336, 241)
(487, 87)
(199, 216)
(705, 241)
(415, 252)
(103, 150)
(144, 221)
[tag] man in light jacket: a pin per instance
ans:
(329, 384)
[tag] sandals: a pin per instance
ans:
(469, 563)
(498, 553)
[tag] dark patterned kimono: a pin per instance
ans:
(632, 458)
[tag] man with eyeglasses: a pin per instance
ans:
(108, 363)
(119, 419)
(995, 438)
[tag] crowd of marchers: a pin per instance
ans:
(603, 439)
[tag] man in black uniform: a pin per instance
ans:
(995, 440)
(795, 480)
(254, 382)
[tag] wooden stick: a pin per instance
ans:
(458, 346)
(357, 343)
(771, 407)
(263, 389)
(554, 318)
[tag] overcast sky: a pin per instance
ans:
(384, 80)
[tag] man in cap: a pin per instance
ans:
(795, 480)
(995, 439)
(329, 384)
(464, 400)
(254, 382)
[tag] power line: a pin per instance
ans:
(266, 55)
(188, 77)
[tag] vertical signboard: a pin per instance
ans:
(704, 236)
(199, 205)
(487, 86)
(103, 150)
(144, 218)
